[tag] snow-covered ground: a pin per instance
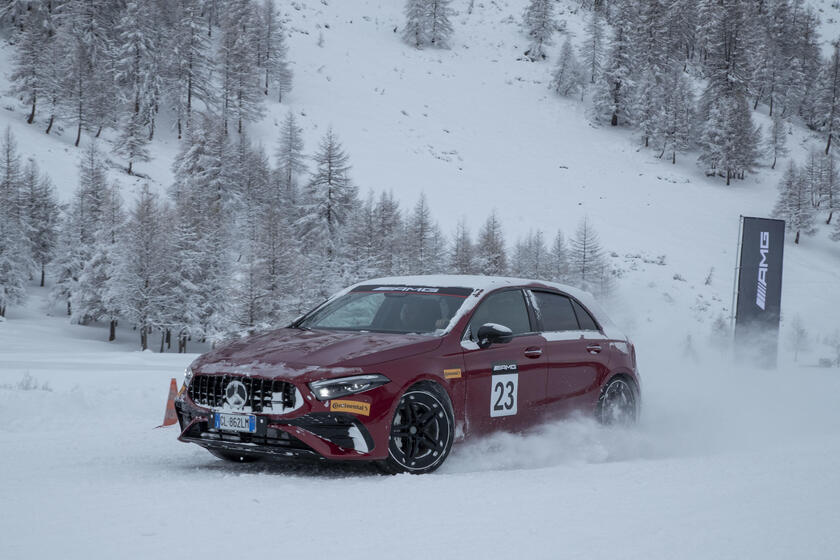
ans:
(727, 462)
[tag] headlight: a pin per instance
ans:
(188, 375)
(328, 389)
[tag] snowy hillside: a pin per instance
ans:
(476, 128)
(727, 461)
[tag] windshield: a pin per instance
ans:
(393, 309)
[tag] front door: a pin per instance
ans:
(506, 381)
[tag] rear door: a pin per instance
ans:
(506, 381)
(577, 352)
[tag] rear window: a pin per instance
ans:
(556, 312)
(587, 323)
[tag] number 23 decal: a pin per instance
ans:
(504, 394)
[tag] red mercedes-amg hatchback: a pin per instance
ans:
(395, 370)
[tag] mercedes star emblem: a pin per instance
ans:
(236, 395)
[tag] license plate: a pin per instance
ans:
(236, 422)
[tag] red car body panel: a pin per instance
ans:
(557, 373)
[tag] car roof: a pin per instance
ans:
(475, 282)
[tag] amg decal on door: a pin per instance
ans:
(504, 389)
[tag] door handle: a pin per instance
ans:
(594, 348)
(533, 352)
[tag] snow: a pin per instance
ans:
(727, 461)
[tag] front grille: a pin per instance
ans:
(264, 395)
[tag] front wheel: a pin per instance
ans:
(619, 403)
(422, 431)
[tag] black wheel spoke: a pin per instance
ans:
(431, 443)
(427, 418)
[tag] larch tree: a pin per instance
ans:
(559, 259)
(794, 204)
(15, 263)
(538, 20)
(43, 214)
(273, 54)
(615, 90)
(490, 251)
(776, 142)
(291, 161)
(729, 140)
(593, 46)
(587, 264)
(569, 76)
(462, 255)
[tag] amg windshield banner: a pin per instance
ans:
(759, 289)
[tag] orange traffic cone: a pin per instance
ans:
(170, 417)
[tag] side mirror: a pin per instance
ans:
(490, 333)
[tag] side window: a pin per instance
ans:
(556, 312)
(587, 323)
(503, 308)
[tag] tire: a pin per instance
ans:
(233, 457)
(422, 431)
(619, 402)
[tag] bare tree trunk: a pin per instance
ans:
(43, 272)
(144, 341)
(31, 113)
(828, 221)
(828, 145)
(168, 339)
(796, 241)
(112, 335)
(49, 126)
(162, 340)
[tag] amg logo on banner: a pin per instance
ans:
(761, 290)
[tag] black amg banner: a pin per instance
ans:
(759, 289)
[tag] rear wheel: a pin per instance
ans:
(619, 403)
(422, 431)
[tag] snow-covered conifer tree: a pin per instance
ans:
(587, 264)
(462, 258)
(569, 77)
(831, 185)
(144, 269)
(593, 46)
(776, 142)
(427, 23)
(794, 203)
(15, 261)
(186, 72)
(615, 90)
(540, 26)
(388, 241)
(240, 91)
(273, 51)
(43, 216)
(490, 251)
(674, 120)
(290, 158)
(558, 259)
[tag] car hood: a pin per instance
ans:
(296, 353)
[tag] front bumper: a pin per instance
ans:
(312, 434)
